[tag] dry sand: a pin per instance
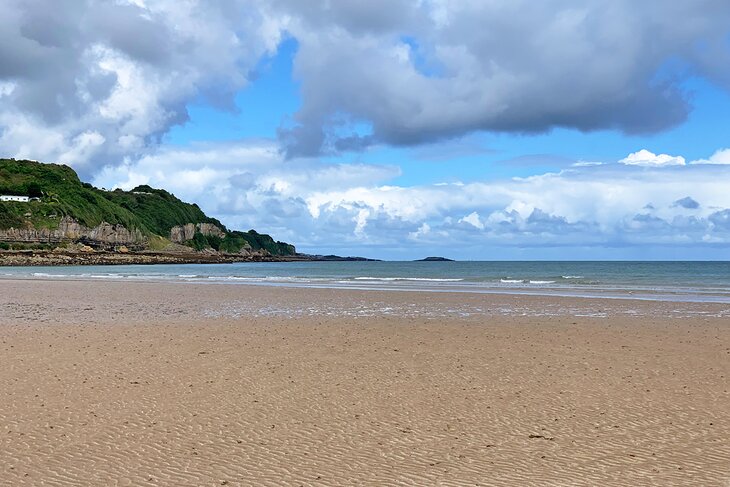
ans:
(105, 383)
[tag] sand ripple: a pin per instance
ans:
(362, 400)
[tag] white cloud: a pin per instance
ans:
(122, 70)
(83, 146)
(646, 158)
(330, 207)
(422, 231)
(587, 163)
(6, 88)
(721, 156)
(250, 185)
(473, 220)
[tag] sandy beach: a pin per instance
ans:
(119, 383)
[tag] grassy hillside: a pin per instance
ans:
(157, 210)
(62, 194)
(152, 211)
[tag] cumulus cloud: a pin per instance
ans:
(250, 185)
(647, 158)
(422, 231)
(355, 208)
(721, 156)
(473, 220)
(380, 72)
(420, 71)
(91, 82)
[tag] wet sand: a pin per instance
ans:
(111, 383)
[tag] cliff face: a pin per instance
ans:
(103, 236)
(139, 219)
(182, 233)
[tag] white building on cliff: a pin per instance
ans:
(21, 199)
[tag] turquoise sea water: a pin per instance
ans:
(675, 281)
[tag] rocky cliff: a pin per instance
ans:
(103, 236)
(182, 233)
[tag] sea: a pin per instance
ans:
(664, 281)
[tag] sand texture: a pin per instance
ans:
(110, 383)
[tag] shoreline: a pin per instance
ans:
(657, 294)
(225, 300)
(145, 384)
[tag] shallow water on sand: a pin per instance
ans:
(665, 281)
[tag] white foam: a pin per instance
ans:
(234, 278)
(511, 281)
(375, 278)
(572, 277)
(542, 282)
(428, 279)
(416, 279)
(288, 279)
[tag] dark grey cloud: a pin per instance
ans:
(374, 17)
(93, 82)
(47, 44)
(516, 66)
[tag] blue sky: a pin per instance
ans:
(394, 129)
(258, 110)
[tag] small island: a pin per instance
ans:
(435, 259)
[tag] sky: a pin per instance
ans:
(471, 129)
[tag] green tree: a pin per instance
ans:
(34, 190)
